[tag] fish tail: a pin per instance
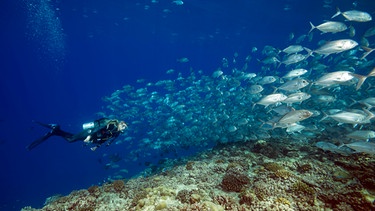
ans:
(278, 51)
(368, 51)
(372, 73)
(370, 115)
(312, 27)
(353, 103)
(279, 64)
(361, 80)
(274, 89)
(368, 106)
(309, 52)
(337, 13)
(263, 123)
(342, 145)
(324, 117)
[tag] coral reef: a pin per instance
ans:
(239, 176)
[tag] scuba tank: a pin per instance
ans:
(89, 125)
(97, 123)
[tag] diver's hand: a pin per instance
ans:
(87, 139)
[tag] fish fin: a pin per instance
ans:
(263, 123)
(274, 89)
(372, 73)
(252, 107)
(309, 52)
(324, 117)
(361, 80)
(337, 13)
(278, 51)
(279, 64)
(368, 106)
(354, 102)
(368, 51)
(342, 145)
(325, 55)
(369, 113)
(312, 27)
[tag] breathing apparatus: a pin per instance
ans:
(88, 125)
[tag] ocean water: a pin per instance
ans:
(60, 58)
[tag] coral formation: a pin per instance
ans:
(118, 185)
(189, 165)
(237, 177)
(234, 182)
(304, 168)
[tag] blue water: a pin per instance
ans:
(59, 58)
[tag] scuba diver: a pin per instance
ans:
(97, 133)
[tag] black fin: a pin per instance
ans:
(39, 141)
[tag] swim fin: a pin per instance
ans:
(55, 129)
(50, 126)
(39, 141)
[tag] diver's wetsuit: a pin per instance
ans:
(103, 130)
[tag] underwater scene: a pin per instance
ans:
(187, 105)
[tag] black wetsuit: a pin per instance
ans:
(103, 130)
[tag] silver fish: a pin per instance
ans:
(329, 27)
(249, 76)
(332, 78)
(326, 98)
(255, 89)
(351, 117)
(271, 99)
(217, 73)
(354, 15)
(364, 42)
(370, 32)
(336, 46)
(293, 58)
(351, 31)
(327, 146)
(362, 146)
(183, 60)
(282, 109)
(293, 49)
(294, 84)
(296, 98)
(267, 80)
(295, 128)
(361, 135)
(269, 60)
(295, 73)
(295, 116)
(368, 102)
